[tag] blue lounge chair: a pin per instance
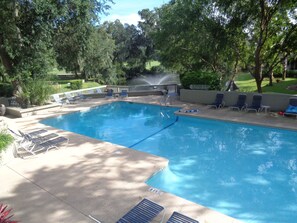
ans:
(292, 108)
(256, 104)
(180, 218)
(124, 94)
(241, 103)
(218, 103)
(109, 93)
(143, 212)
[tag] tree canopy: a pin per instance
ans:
(220, 36)
(33, 33)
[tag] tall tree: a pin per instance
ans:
(191, 37)
(269, 28)
(97, 59)
(27, 28)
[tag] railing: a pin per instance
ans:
(93, 90)
(135, 88)
(164, 88)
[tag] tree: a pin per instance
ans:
(147, 26)
(132, 47)
(98, 56)
(191, 37)
(269, 28)
(27, 30)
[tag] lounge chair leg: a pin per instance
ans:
(94, 219)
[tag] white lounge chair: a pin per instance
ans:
(28, 148)
(58, 100)
(70, 98)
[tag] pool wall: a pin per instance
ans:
(277, 102)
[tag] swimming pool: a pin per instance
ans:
(245, 171)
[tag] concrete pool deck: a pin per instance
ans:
(91, 177)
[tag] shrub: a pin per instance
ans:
(6, 90)
(157, 69)
(5, 140)
(40, 91)
(291, 73)
(77, 84)
(201, 77)
(34, 92)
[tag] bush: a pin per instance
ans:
(291, 73)
(5, 140)
(6, 90)
(76, 85)
(40, 91)
(157, 69)
(34, 92)
(201, 77)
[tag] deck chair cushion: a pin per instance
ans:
(218, 103)
(143, 212)
(180, 218)
(291, 109)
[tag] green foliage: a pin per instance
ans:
(157, 69)
(201, 77)
(34, 92)
(6, 90)
(291, 73)
(31, 30)
(134, 46)
(190, 37)
(76, 85)
(247, 83)
(39, 91)
(97, 61)
(5, 140)
(61, 86)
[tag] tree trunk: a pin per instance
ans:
(271, 77)
(258, 70)
(76, 74)
(5, 58)
(285, 67)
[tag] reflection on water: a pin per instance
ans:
(248, 172)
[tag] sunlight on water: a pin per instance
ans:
(247, 172)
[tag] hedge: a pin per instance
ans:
(203, 78)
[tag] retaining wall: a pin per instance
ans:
(277, 102)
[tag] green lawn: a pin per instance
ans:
(151, 64)
(61, 86)
(247, 83)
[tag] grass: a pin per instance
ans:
(5, 140)
(63, 86)
(56, 71)
(152, 63)
(247, 83)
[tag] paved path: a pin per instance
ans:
(91, 177)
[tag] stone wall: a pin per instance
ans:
(277, 102)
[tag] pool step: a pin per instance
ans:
(155, 191)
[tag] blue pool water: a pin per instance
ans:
(245, 171)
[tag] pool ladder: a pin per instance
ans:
(165, 100)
